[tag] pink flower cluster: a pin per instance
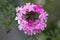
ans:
(31, 27)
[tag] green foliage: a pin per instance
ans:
(7, 8)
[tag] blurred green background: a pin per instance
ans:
(51, 32)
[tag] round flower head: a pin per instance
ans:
(31, 18)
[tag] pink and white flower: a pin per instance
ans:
(31, 18)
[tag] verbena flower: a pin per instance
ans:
(31, 18)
